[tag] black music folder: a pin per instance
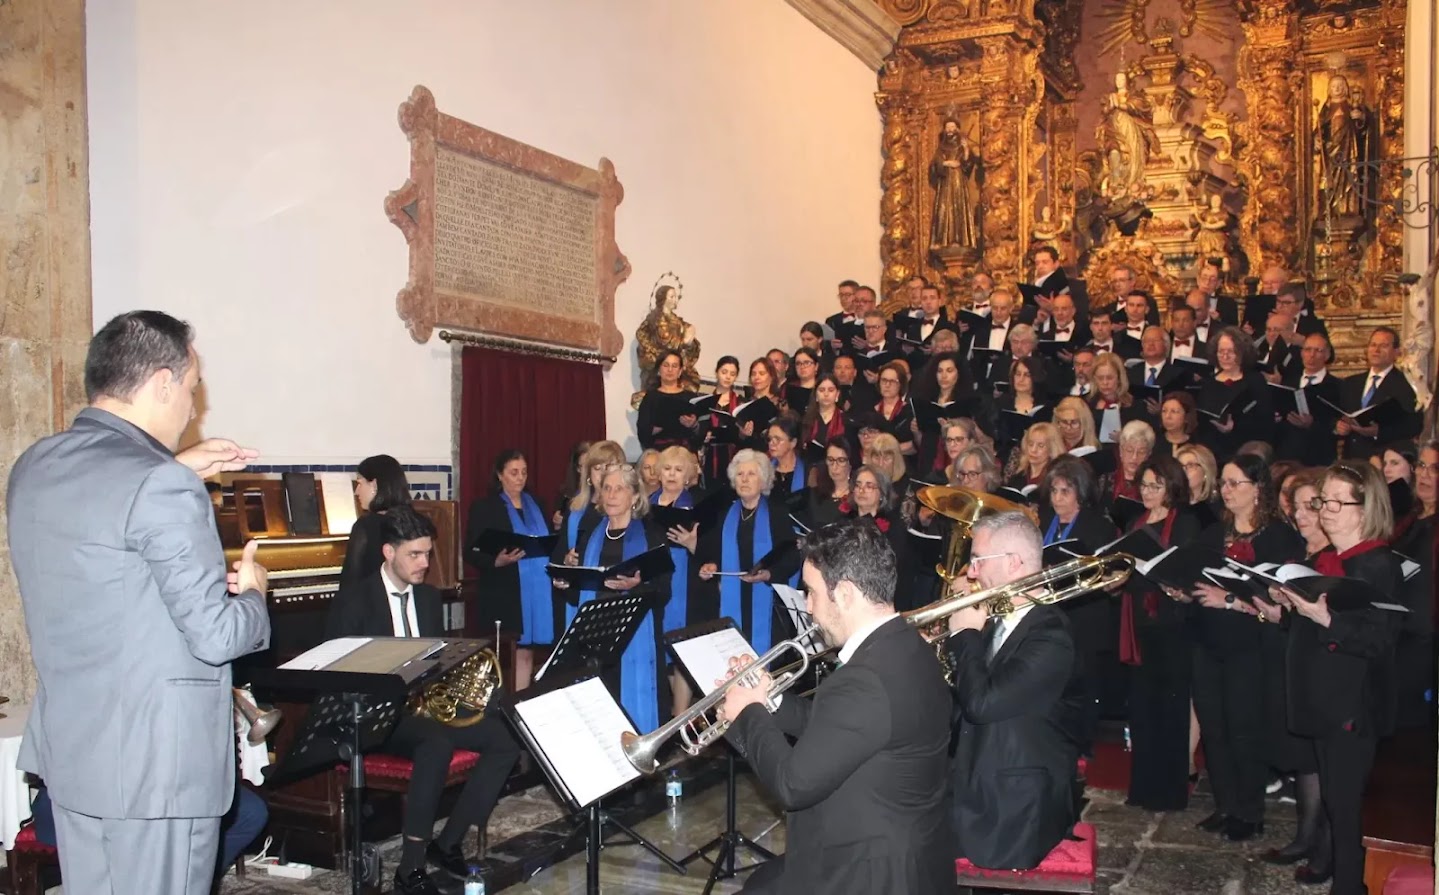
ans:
(1181, 566)
(651, 564)
(495, 541)
(1124, 510)
(1342, 593)
(1288, 400)
(929, 413)
(1386, 412)
(1222, 402)
(759, 411)
(971, 319)
(706, 513)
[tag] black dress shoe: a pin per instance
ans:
(1310, 875)
(1213, 823)
(1237, 830)
(1292, 853)
(415, 882)
(452, 860)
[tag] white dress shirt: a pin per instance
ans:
(390, 594)
(1066, 334)
(1187, 350)
(998, 335)
(1107, 346)
(847, 651)
(927, 328)
(1308, 379)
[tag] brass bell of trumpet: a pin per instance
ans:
(964, 506)
(261, 723)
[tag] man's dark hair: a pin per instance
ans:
(1390, 331)
(922, 279)
(1106, 313)
(1181, 309)
(392, 489)
(404, 524)
(850, 283)
(869, 289)
(1047, 250)
(131, 348)
(853, 550)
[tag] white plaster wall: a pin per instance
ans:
(240, 153)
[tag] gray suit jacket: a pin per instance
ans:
(132, 628)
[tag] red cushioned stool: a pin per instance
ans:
(27, 860)
(1068, 868)
(391, 774)
(1410, 879)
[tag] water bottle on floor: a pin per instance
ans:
(674, 787)
(475, 882)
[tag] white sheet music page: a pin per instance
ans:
(706, 657)
(579, 729)
(330, 651)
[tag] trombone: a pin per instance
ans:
(695, 727)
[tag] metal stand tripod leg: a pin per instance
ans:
(730, 841)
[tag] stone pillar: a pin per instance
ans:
(45, 245)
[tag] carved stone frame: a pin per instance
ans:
(412, 209)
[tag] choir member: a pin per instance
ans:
(1022, 400)
(1205, 327)
(1291, 302)
(583, 513)
(1102, 338)
(679, 473)
(649, 467)
(1222, 310)
(797, 394)
(875, 498)
(942, 381)
(933, 319)
(1382, 381)
(1276, 356)
(1050, 280)
(763, 384)
(914, 308)
(1155, 371)
(1178, 420)
(1136, 443)
(1415, 537)
(1111, 403)
(790, 474)
(854, 392)
(574, 475)
(1396, 462)
(717, 453)
(1309, 437)
(666, 415)
(876, 347)
(1184, 340)
(1022, 342)
(946, 341)
(1121, 283)
(380, 485)
(1236, 398)
(513, 590)
(994, 334)
(1227, 662)
(844, 323)
(884, 453)
(1075, 423)
(1040, 446)
(831, 498)
(811, 336)
(975, 468)
(1154, 641)
(621, 534)
(780, 361)
(1342, 664)
(1080, 373)
(1202, 471)
(1258, 307)
(750, 530)
(824, 420)
(1303, 487)
(892, 406)
(957, 434)
(1131, 319)
(1064, 327)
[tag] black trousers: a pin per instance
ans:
(1159, 719)
(431, 745)
(1345, 760)
(1229, 700)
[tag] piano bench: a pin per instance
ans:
(1068, 868)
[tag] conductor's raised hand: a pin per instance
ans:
(248, 574)
(216, 455)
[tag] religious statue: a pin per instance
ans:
(1342, 138)
(663, 329)
(1210, 227)
(1127, 138)
(1046, 232)
(954, 174)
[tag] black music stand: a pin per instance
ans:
(593, 642)
(730, 840)
(352, 712)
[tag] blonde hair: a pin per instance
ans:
(1111, 360)
(1205, 458)
(601, 453)
(681, 456)
(1087, 436)
(1050, 433)
(1370, 489)
(887, 444)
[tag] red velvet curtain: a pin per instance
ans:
(540, 405)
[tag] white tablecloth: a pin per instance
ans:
(14, 791)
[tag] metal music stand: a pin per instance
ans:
(353, 712)
(593, 643)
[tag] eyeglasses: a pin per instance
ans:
(1191, 465)
(1421, 465)
(970, 473)
(983, 556)
(889, 380)
(961, 439)
(1333, 506)
(1233, 483)
(837, 461)
(866, 486)
(1151, 486)
(804, 362)
(1067, 424)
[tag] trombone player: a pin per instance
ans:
(862, 785)
(1019, 705)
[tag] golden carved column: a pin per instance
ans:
(899, 253)
(1270, 80)
(1006, 69)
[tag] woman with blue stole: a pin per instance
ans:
(582, 513)
(750, 529)
(513, 590)
(678, 472)
(622, 534)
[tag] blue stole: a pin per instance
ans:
(796, 483)
(731, 588)
(536, 603)
(677, 609)
(637, 666)
(572, 528)
(1053, 533)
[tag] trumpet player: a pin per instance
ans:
(395, 602)
(1020, 708)
(864, 813)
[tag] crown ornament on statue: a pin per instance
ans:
(668, 278)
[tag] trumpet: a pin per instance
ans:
(261, 723)
(695, 727)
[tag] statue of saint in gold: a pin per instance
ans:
(1210, 227)
(1127, 138)
(663, 329)
(1342, 139)
(954, 174)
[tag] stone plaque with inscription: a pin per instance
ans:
(505, 239)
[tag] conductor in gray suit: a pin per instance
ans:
(131, 620)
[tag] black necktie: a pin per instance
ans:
(991, 637)
(405, 614)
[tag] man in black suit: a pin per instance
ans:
(1049, 280)
(1291, 301)
(1223, 310)
(395, 602)
(1184, 341)
(933, 319)
(1278, 352)
(1154, 371)
(844, 325)
(863, 783)
(1309, 437)
(914, 294)
(1019, 697)
(1102, 338)
(1063, 325)
(1381, 381)
(1121, 282)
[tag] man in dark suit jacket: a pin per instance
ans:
(863, 783)
(395, 602)
(933, 318)
(1223, 309)
(1019, 696)
(1309, 438)
(1049, 280)
(1382, 380)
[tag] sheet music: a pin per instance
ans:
(706, 657)
(320, 656)
(1109, 424)
(579, 729)
(337, 494)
